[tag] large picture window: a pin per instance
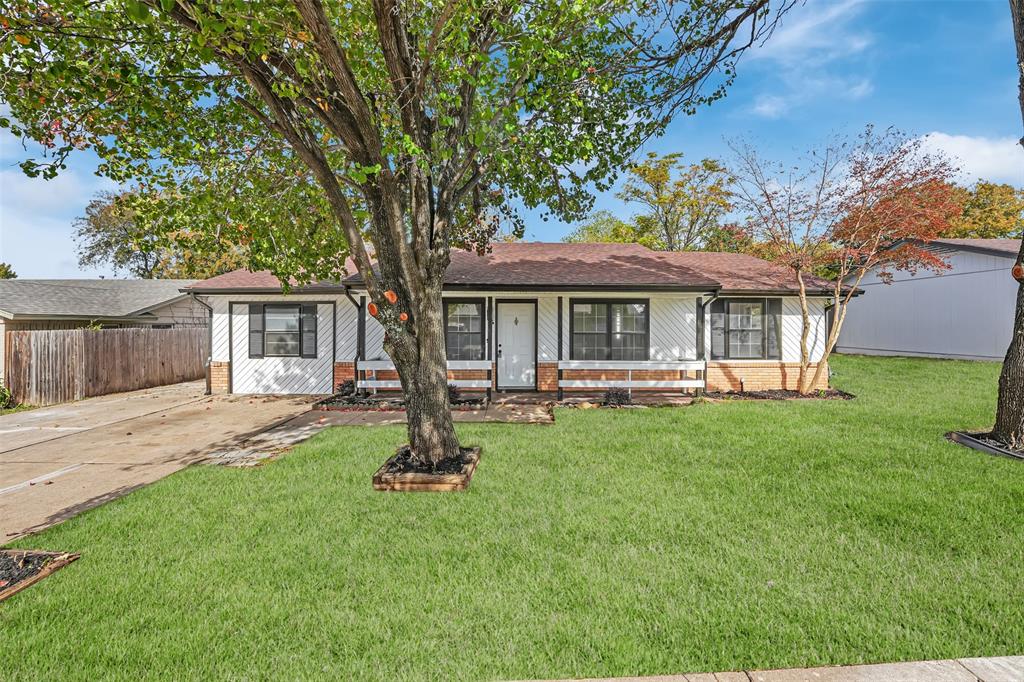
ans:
(282, 331)
(610, 330)
(464, 329)
(746, 329)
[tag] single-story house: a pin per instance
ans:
(963, 312)
(33, 304)
(531, 317)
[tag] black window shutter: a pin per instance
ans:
(774, 328)
(255, 330)
(308, 326)
(718, 340)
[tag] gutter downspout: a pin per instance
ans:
(355, 360)
(209, 338)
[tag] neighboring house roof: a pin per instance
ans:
(546, 266)
(99, 299)
(999, 247)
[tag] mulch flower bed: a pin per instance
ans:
(354, 402)
(779, 394)
(983, 442)
(20, 568)
(403, 473)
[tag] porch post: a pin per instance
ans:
(559, 373)
(490, 345)
(360, 339)
(700, 339)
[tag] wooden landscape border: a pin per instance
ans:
(417, 482)
(60, 560)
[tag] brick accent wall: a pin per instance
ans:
(758, 376)
(547, 376)
(220, 376)
(343, 371)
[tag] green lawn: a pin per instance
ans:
(719, 536)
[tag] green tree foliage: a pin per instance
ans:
(684, 207)
(684, 204)
(7, 272)
(307, 131)
(109, 234)
(991, 211)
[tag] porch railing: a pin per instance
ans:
(373, 366)
(698, 367)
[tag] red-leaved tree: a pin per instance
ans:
(854, 206)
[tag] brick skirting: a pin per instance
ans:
(547, 376)
(759, 376)
(343, 371)
(220, 377)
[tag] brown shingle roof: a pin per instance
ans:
(539, 265)
(740, 273)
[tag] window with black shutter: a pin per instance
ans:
(282, 331)
(746, 329)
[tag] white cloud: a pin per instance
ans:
(804, 56)
(36, 220)
(999, 159)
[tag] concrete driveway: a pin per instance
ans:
(56, 462)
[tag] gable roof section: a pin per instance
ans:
(739, 273)
(86, 298)
(543, 266)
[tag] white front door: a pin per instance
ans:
(517, 345)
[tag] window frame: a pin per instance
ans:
(482, 302)
(646, 302)
(300, 307)
(764, 301)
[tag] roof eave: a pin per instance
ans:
(268, 290)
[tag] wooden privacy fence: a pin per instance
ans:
(48, 367)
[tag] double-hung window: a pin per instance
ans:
(282, 331)
(746, 329)
(610, 330)
(464, 329)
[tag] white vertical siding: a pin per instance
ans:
(282, 375)
(374, 339)
(346, 325)
(547, 328)
(965, 312)
(792, 327)
(181, 313)
(673, 321)
(219, 349)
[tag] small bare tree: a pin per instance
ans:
(853, 206)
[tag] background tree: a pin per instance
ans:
(684, 203)
(312, 128)
(1009, 427)
(110, 234)
(7, 272)
(852, 206)
(603, 226)
(991, 211)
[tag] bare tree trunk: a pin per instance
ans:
(805, 333)
(1009, 426)
(423, 371)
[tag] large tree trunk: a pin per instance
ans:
(1009, 426)
(423, 370)
(1010, 411)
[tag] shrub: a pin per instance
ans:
(615, 397)
(347, 387)
(454, 394)
(5, 397)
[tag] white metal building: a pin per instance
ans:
(964, 312)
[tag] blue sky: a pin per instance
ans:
(945, 69)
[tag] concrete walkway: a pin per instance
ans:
(56, 462)
(283, 437)
(998, 669)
